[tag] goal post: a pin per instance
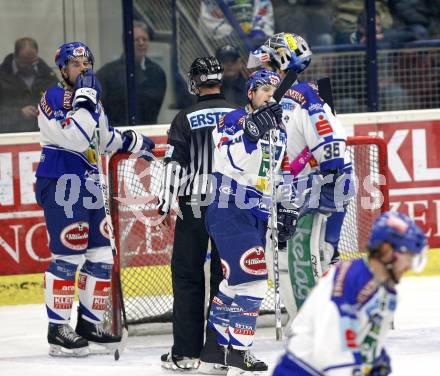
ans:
(145, 245)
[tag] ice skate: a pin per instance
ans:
(179, 363)
(97, 334)
(213, 356)
(243, 362)
(64, 342)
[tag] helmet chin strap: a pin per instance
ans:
(67, 79)
(389, 268)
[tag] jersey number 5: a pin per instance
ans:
(332, 151)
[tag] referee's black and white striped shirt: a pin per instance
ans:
(190, 149)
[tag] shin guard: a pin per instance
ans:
(243, 321)
(93, 290)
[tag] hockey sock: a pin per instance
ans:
(59, 290)
(219, 317)
(243, 321)
(93, 290)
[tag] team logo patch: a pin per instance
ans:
(82, 281)
(226, 269)
(75, 236)
(253, 261)
(63, 292)
(252, 128)
(103, 228)
(79, 51)
(63, 302)
(244, 330)
(62, 287)
(226, 190)
(208, 117)
(322, 125)
(102, 288)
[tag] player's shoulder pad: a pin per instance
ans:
(353, 282)
(233, 121)
(56, 99)
(306, 94)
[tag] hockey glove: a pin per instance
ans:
(287, 218)
(87, 91)
(134, 142)
(382, 365)
(261, 120)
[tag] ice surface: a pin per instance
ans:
(414, 345)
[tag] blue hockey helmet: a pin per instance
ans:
(403, 234)
(72, 51)
(283, 51)
(262, 77)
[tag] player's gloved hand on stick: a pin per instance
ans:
(135, 142)
(287, 218)
(87, 91)
(261, 120)
(382, 365)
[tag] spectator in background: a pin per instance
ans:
(422, 17)
(23, 79)
(347, 13)
(310, 18)
(150, 83)
(254, 16)
(234, 83)
(384, 36)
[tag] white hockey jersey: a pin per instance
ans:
(343, 324)
(66, 135)
(241, 167)
(315, 137)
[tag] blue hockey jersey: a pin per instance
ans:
(241, 167)
(342, 326)
(66, 135)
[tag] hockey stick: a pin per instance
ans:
(326, 93)
(105, 195)
(287, 82)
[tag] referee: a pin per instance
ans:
(189, 161)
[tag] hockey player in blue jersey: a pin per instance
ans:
(316, 144)
(67, 190)
(237, 221)
(341, 328)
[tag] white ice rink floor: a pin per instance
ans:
(414, 345)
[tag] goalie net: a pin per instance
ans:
(145, 244)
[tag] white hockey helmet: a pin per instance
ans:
(283, 51)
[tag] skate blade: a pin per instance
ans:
(122, 345)
(212, 369)
(184, 366)
(98, 348)
(62, 352)
(234, 371)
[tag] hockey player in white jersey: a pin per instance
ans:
(341, 328)
(316, 150)
(67, 190)
(237, 221)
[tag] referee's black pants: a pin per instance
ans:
(187, 262)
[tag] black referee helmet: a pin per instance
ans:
(204, 71)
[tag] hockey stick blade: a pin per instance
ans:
(285, 85)
(326, 93)
(122, 345)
